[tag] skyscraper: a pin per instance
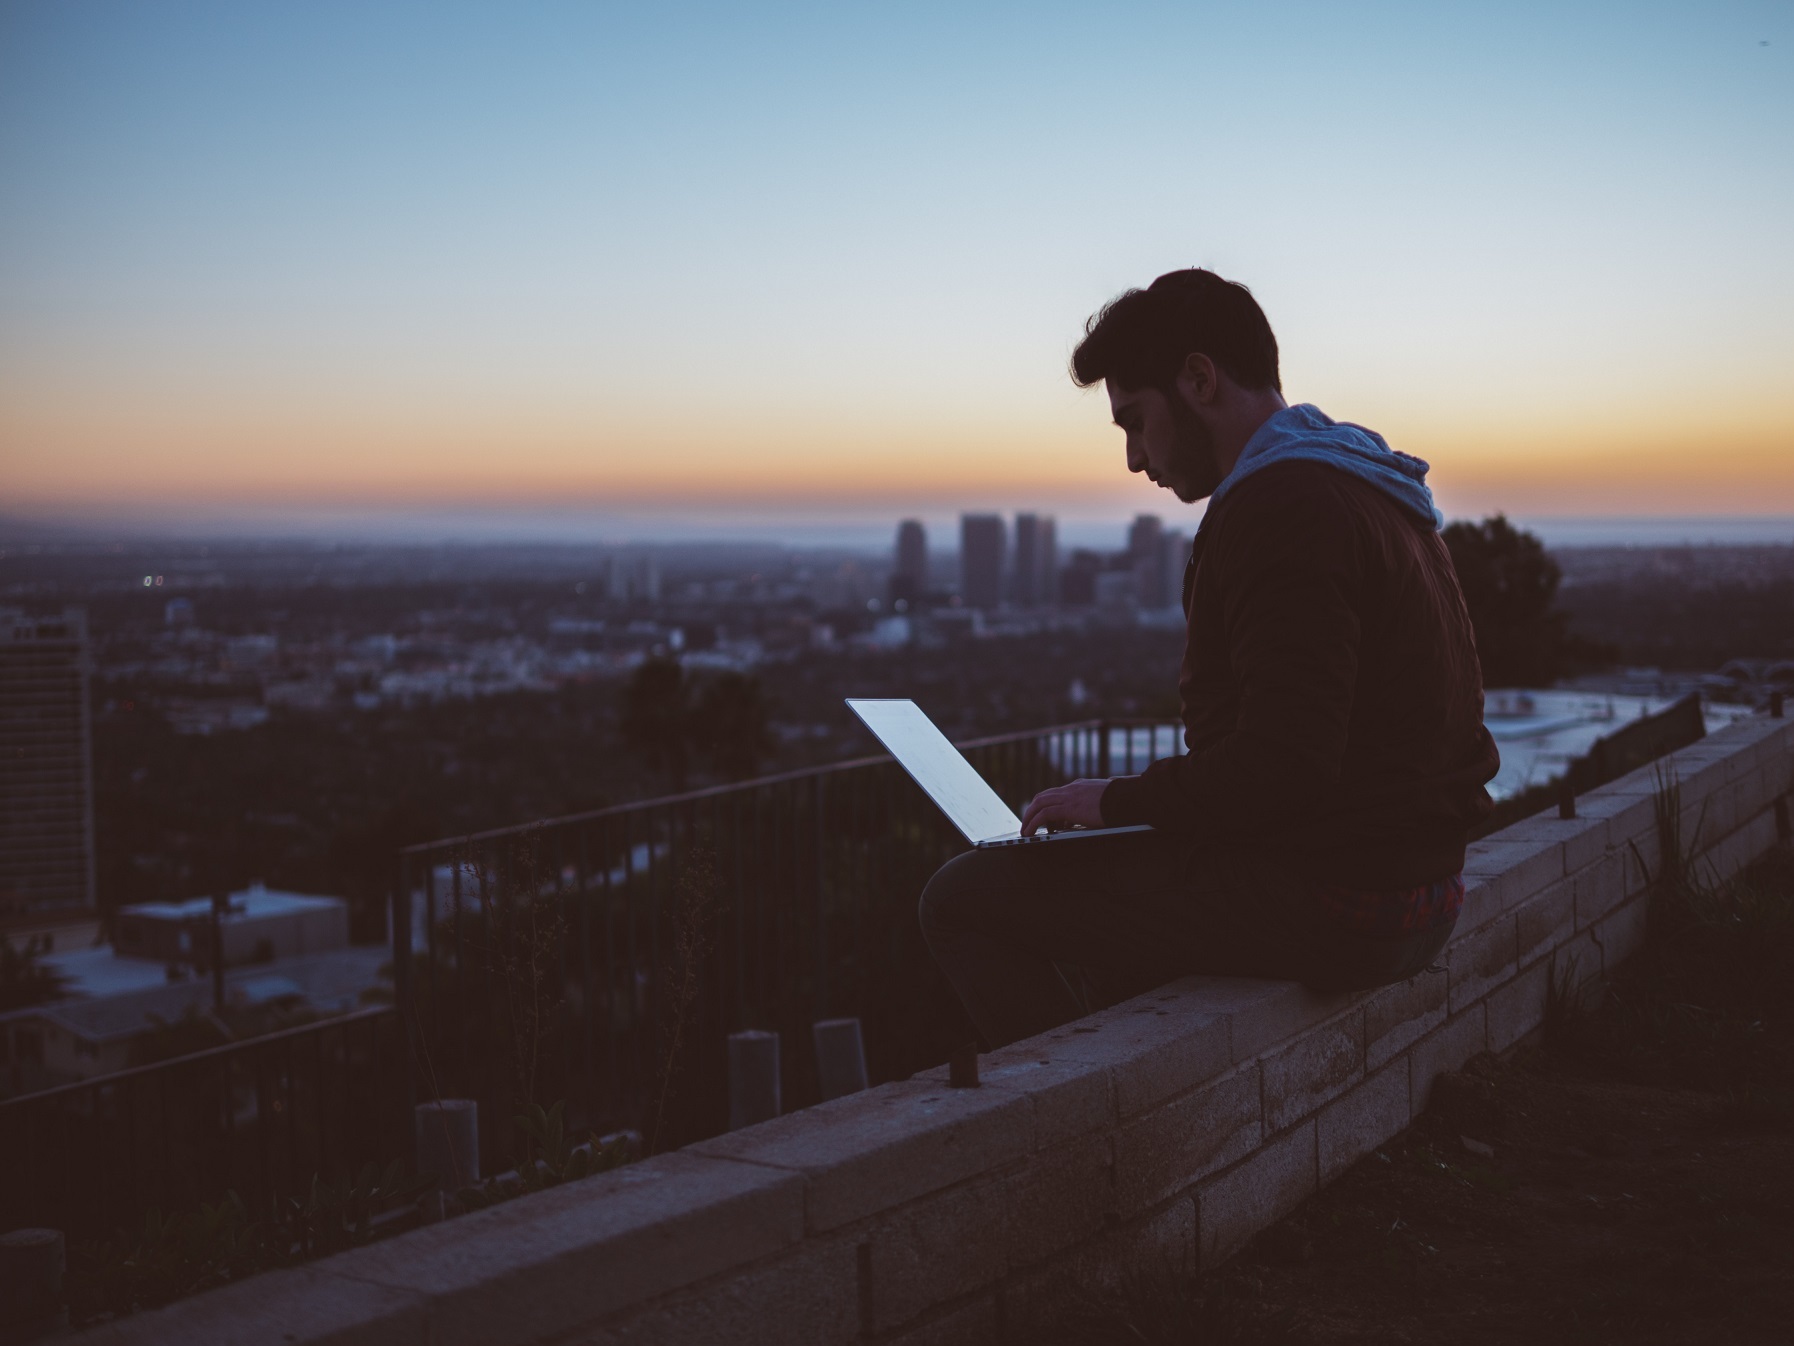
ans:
(909, 573)
(1146, 552)
(982, 542)
(1036, 562)
(46, 764)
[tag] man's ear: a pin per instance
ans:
(1198, 381)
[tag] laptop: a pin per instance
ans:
(951, 781)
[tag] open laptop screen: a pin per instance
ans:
(937, 766)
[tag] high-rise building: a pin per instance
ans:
(982, 542)
(909, 573)
(1177, 556)
(1077, 582)
(1036, 561)
(1146, 554)
(46, 764)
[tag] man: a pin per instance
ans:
(1332, 707)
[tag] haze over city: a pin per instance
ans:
(586, 268)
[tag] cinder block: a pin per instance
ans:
(1153, 1046)
(1071, 1096)
(872, 1151)
(1644, 862)
(1697, 771)
(1584, 837)
(1744, 846)
(1319, 1065)
(1731, 806)
(1263, 1013)
(1353, 1125)
(1060, 1197)
(1518, 1008)
(1627, 814)
(1160, 1243)
(1462, 1037)
(1395, 1017)
(1254, 1194)
(303, 1306)
(1515, 869)
(1546, 920)
(1486, 897)
(1170, 1148)
(950, 1244)
(810, 1294)
(575, 1255)
(1621, 933)
(1481, 961)
(1600, 888)
(1578, 962)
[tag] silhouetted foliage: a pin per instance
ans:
(23, 980)
(1510, 587)
(656, 710)
(728, 725)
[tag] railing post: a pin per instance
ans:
(1102, 749)
(401, 976)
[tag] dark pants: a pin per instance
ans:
(1014, 927)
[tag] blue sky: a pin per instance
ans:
(829, 261)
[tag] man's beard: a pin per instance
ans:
(1194, 473)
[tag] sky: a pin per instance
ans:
(790, 266)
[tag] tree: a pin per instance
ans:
(729, 724)
(656, 716)
(1510, 586)
(23, 980)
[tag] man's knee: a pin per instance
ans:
(946, 897)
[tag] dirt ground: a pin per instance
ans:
(1627, 1178)
(1532, 1205)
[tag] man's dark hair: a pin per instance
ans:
(1141, 338)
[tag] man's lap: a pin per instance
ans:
(1149, 904)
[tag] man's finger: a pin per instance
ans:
(1038, 809)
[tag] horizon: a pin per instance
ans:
(802, 264)
(469, 529)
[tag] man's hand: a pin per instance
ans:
(1079, 804)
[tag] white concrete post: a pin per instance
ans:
(753, 1078)
(448, 1142)
(840, 1057)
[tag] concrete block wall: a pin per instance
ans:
(1168, 1129)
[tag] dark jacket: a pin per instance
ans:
(1332, 699)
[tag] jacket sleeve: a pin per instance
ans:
(1288, 574)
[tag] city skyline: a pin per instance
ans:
(308, 264)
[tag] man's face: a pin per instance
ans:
(1167, 440)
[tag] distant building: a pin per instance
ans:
(982, 542)
(261, 924)
(1177, 558)
(46, 765)
(1077, 582)
(1146, 557)
(909, 574)
(1036, 560)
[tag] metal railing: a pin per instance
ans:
(259, 1118)
(602, 959)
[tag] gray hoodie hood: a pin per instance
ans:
(1305, 434)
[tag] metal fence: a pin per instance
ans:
(600, 959)
(603, 959)
(259, 1118)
